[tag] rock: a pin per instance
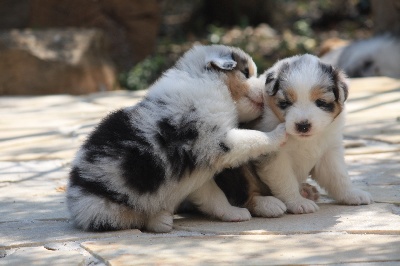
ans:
(375, 56)
(131, 26)
(330, 45)
(386, 16)
(14, 14)
(73, 61)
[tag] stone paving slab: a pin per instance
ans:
(378, 174)
(39, 232)
(33, 190)
(373, 109)
(43, 256)
(249, 250)
(53, 127)
(375, 218)
(369, 219)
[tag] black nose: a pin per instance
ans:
(303, 126)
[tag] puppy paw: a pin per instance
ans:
(279, 135)
(235, 214)
(160, 223)
(302, 206)
(309, 192)
(269, 207)
(357, 197)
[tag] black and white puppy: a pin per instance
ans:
(140, 162)
(309, 97)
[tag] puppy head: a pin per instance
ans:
(305, 93)
(235, 68)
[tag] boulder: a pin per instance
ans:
(131, 26)
(73, 61)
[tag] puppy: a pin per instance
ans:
(376, 56)
(140, 162)
(309, 97)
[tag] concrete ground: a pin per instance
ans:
(38, 139)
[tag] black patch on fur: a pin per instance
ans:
(102, 227)
(117, 139)
(338, 84)
(97, 188)
(176, 140)
(284, 104)
(333, 75)
(275, 88)
(277, 84)
(335, 88)
(93, 154)
(108, 136)
(224, 147)
(142, 169)
(234, 184)
(328, 69)
(270, 78)
(328, 107)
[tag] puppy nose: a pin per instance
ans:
(303, 126)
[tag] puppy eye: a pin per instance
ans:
(246, 72)
(324, 105)
(321, 103)
(284, 104)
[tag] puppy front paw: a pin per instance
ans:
(357, 197)
(235, 214)
(302, 206)
(160, 223)
(267, 206)
(278, 136)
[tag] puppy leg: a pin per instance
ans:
(284, 185)
(260, 201)
(211, 200)
(266, 206)
(94, 213)
(271, 207)
(331, 174)
(160, 223)
(243, 145)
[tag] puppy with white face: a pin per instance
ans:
(309, 97)
(142, 161)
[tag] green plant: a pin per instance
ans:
(144, 73)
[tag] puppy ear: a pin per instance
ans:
(220, 62)
(341, 89)
(271, 83)
(273, 76)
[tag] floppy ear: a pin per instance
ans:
(341, 90)
(220, 62)
(272, 81)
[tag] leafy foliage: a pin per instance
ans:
(300, 28)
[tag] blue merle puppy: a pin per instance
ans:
(142, 161)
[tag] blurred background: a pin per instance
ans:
(84, 46)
